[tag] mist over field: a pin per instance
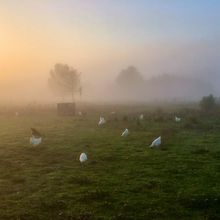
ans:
(170, 78)
(174, 47)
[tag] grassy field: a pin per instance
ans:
(123, 178)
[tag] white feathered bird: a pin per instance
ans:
(125, 133)
(156, 142)
(83, 158)
(141, 117)
(35, 141)
(177, 119)
(36, 137)
(101, 121)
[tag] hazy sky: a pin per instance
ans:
(100, 37)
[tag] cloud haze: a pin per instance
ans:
(100, 38)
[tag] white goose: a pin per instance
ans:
(83, 157)
(35, 141)
(177, 119)
(36, 137)
(156, 142)
(141, 117)
(125, 133)
(101, 121)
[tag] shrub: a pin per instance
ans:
(125, 118)
(208, 103)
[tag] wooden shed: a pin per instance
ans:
(66, 109)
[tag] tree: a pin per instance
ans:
(64, 80)
(129, 77)
(208, 103)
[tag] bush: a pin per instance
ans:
(208, 103)
(191, 122)
(125, 118)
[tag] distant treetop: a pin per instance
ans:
(64, 80)
(129, 77)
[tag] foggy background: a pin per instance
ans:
(173, 45)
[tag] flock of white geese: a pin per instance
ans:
(36, 137)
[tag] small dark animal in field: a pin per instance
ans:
(35, 133)
(36, 137)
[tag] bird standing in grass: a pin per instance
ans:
(125, 133)
(83, 158)
(101, 121)
(141, 117)
(36, 137)
(35, 133)
(156, 142)
(177, 119)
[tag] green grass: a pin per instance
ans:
(123, 178)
